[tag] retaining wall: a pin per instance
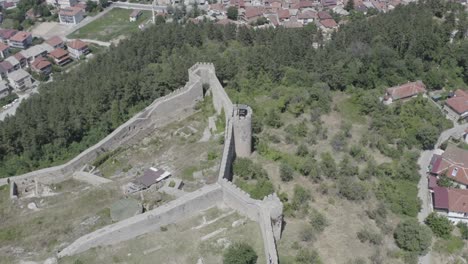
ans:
(172, 212)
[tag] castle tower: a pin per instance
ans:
(242, 123)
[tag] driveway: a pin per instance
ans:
(423, 191)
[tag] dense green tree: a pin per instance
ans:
(440, 225)
(232, 12)
(412, 236)
(240, 253)
(286, 172)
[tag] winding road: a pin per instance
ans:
(423, 191)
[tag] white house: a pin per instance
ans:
(20, 80)
(77, 48)
(71, 15)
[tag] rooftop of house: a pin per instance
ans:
(451, 199)
(33, 51)
(251, 12)
(283, 14)
(3, 46)
(54, 41)
(406, 90)
(329, 23)
(18, 75)
(307, 14)
(40, 63)
(7, 33)
(77, 44)
(151, 176)
(454, 163)
(21, 36)
(12, 60)
(5, 66)
(70, 11)
(135, 13)
(18, 56)
(459, 103)
(58, 53)
(324, 15)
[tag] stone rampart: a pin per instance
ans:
(176, 105)
(172, 212)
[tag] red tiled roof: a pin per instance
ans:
(329, 23)
(283, 14)
(441, 198)
(6, 65)
(459, 103)
(453, 163)
(305, 4)
(324, 15)
(432, 182)
(3, 47)
(217, 7)
(406, 90)
(20, 36)
(458, 200)
(328, 3)
(7, 33)
(252, 12)
(238, 3)
(19, 56)
(58, 53)
(40, 63)
(77, 44)
(54, 41)
(307, 15)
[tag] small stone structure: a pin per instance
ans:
(13, 190)
(175, 106)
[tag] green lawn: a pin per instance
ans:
(111, 25)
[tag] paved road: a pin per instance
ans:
(423, 191)
(127, 5)
(12, 110)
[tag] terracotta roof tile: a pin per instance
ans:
(406, 90)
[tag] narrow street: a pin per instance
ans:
(423, 191)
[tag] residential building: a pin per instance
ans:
(20, 80)
(35, 52)
(42, 66)
(4, 50)
(60, 56)
(71, 15)
(56, 42)
(404, 92)
(4, 89)
(324, 15)
(15, 64)
(457, 106)
(62, 3)
(22, 60)
(251, 14)
(306, 17)
(451, 202)
(135, 15)
(6, 34)
(150, 177)
(453, 163)
(328, 24)
(328, 3)
(77, 48)
(20, 40)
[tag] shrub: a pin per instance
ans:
(286, 172)
(302, 150)
(172, 184)
(212, 155)
(300, 198)
(463, 227)
(240, 253)
(440, 225)
(318, 221)
(305, 256)
(365, 235)
(246, 169)
(310, 168)
(307, 233)
(412, 236)
(328, 165)
(352, 190)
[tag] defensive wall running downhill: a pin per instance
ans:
(178, 105)
(174, 106)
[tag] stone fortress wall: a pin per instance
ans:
(177, 105)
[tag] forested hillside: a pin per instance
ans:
(81, 107)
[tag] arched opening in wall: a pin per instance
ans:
(206, 87)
